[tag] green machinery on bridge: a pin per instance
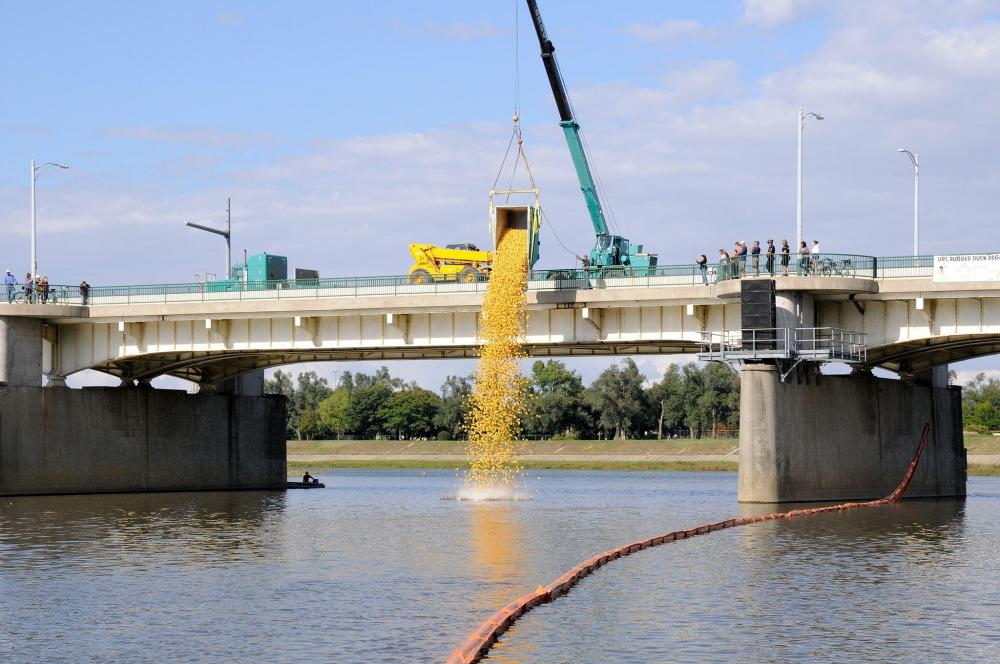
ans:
(611, 253)
(262, 271)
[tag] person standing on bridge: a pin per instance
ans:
(10, 281)
(769, 261)
(755, 257)
(815, 255)
(724, 264)
(786, 254)
(702, 263)
(43, 288)
(803, 258)
(84, 292)
(739, 258)
(29, 287)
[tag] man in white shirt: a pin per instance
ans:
(815, 255)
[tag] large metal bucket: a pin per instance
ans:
(526, 217)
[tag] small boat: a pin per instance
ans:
(305, 485)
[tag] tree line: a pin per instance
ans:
(981, 404)
(689, 400)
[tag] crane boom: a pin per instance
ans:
(570, 127)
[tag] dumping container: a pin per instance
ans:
(527, 217)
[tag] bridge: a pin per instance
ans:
(909, 322)
(892, 313)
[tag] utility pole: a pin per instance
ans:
(227, 234)
(35, 172)
(915, 160)
(802, 117)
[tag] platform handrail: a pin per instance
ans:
(855, 266)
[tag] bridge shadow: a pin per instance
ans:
(54, 529)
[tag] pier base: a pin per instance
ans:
(817, 438)
(105, 440)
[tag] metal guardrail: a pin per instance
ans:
(831, 343)
(688, 274)
(749, 344)
(54, 294)
(816, 344)
(902, 267)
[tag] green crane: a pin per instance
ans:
(611, 253)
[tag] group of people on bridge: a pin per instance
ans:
(733, 264)
(35, 289)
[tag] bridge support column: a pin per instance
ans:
(845, 437)
(107, 440)
(20, 351)
(250, 384)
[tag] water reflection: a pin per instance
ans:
(378, 568)
(136, 528)
(885, 529)
(498, 554)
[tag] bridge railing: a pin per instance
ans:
(901, 267)
(687, 274)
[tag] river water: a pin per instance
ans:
(383, 567)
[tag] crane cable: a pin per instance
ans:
(602, 192)
(517, 134)
(612, 220)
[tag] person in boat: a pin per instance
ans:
(307, 478)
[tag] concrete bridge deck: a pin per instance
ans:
(192, 331)
(911, 323)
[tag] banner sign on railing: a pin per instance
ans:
(967, 267)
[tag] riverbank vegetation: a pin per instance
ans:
(689, 401)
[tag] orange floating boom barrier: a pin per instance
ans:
(479, 642)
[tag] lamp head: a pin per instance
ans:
(901, 150)
(819, 117)
(63, 166)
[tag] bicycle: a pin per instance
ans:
(830, 268)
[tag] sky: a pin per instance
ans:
(344, 131)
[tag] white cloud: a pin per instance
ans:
(773, 13)
(699, 158)
(669, 30)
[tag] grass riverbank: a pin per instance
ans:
(649, 455)
(527, 464)
(676, 454)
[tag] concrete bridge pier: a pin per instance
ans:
(130, 438)
(816, 437)
(20, 351)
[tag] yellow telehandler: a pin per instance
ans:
(464, 263)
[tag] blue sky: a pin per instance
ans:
(343, 130)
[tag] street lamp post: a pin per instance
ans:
(35, 172)
(226, 234)
(798, 186)
(915, 160)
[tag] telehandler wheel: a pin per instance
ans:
(420, 277)
(468, 275)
